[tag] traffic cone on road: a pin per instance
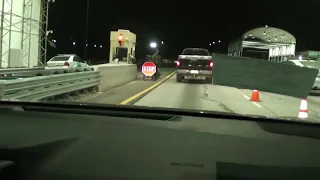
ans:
(303, 113)
(255, 96)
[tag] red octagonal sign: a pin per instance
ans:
(149, 68)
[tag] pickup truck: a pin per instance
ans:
(194, 63)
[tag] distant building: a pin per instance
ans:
(268, 43)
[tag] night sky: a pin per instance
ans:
(179, 24)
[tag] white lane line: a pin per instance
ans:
(256, 104)
(245, 96)
(248, 98)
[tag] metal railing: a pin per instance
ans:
(41, 71)
(41, 87)
(9, 70)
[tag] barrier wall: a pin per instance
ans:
(263, 75)
(114, 75)
(163, 65)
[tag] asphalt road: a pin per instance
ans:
(200, 96)
(122, 93)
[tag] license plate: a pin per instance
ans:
(194, 72)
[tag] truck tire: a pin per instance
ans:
(179, 77)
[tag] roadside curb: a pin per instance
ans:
(132, 100)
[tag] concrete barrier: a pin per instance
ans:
(114, 75)
(163, 65)
(263, 75)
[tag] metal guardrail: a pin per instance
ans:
(10, 70)
(41, 87)
(41, 71)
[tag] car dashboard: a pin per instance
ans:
(75, 143)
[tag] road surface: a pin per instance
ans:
(122, 93)
(200, 96)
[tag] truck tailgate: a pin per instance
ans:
(195, 63)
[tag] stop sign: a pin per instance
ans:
(149, 68)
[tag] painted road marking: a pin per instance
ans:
(258, 105)
(245, 96)
(146, 90)
(255, 103)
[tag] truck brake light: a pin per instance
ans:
(178, 63)
(211, 64)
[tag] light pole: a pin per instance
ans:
(86, 36)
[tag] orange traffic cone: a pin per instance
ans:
(255, 96)
(303, 113)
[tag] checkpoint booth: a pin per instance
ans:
(122, 46)
(268, 43)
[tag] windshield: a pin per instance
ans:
(315, 65)
(198, 52)
(229, 57)
(60, 58)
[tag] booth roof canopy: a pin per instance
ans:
(270, 34)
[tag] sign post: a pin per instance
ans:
(149, 69)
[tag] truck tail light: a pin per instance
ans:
(211, 64)
(178, 63)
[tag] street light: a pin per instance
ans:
(153, 45)
(49, 32)
(162, 42)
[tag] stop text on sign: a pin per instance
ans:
(150, 69)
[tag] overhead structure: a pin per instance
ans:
(122, 45)
(23, 31)
(279, 44)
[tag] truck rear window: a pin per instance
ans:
(197, 52)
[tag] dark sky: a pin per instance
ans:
(179, 24)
